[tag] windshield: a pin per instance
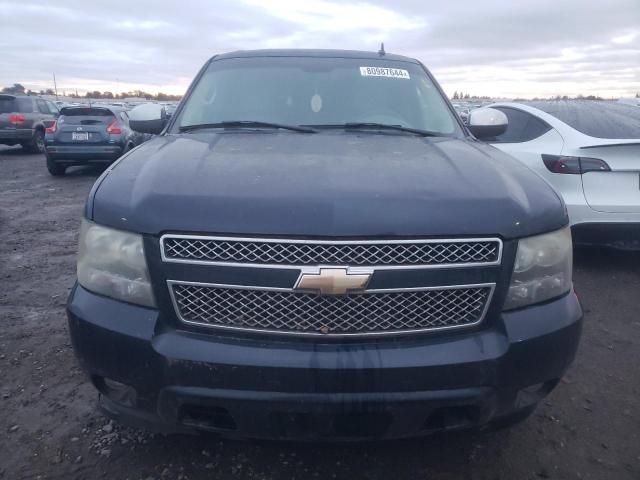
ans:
(318, 91)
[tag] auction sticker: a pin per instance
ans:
(384, 72)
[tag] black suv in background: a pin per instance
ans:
(91, 134)
(315, 246)
(23, 120)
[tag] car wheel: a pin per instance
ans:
(36, 145)
(54, 168)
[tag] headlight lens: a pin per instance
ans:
(112, 263)
(543, 269)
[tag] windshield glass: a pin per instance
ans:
(318, 91)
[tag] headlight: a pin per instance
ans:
(543, 269)
(112, 263)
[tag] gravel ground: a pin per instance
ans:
(589, 427)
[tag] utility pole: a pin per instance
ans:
(55, 85)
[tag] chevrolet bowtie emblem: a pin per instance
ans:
(333, 281)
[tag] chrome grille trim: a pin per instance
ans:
(296, 253)
(306, 298)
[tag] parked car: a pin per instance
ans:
(89, 134)
(590, 152)
(170, 109)
(463, 112)
(314, 246)
(23, 120)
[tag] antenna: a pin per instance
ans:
(381, 52)
(55, 85)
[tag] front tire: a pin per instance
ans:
(36, 145)
(54, 168)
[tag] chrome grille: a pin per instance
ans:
(355, 314)
(354, 253)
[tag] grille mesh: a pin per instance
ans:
(339, 314)
(362, 254)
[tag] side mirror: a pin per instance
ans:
(148, 118)
(487, 122)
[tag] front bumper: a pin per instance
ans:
(83, 153)
(267, 387)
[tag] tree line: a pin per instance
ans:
(467, 96)
(18, 89)
(562, 97)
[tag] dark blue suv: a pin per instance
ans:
(316, 247)
(88, 134)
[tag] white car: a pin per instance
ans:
(590, 152)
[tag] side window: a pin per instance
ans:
(536, 128)
(523, 126)
(25, 105)
(42, 106)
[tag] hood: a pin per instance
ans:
(332, 184)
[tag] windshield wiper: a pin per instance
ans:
(245, 123)
(379, 126)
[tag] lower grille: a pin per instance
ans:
(355, 314)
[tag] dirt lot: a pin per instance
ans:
(589, 428)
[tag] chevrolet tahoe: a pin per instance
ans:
(314, 246)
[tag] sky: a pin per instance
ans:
(499, 48)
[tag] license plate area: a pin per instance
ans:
(82, 136)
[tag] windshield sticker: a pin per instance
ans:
(384, 72)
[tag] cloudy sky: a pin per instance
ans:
(488, 47)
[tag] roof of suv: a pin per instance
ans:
(6, 96)
(314, 53)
